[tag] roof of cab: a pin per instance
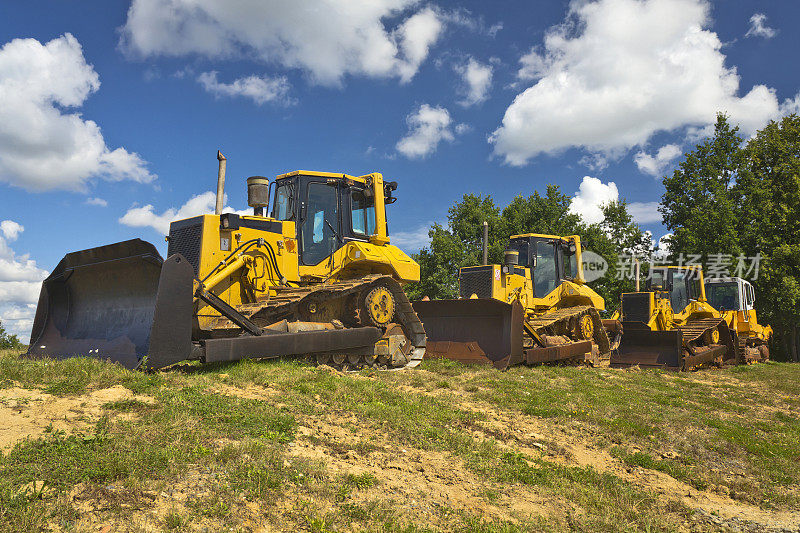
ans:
(315, 173)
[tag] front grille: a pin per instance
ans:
(476, 281)
(185, 240)
(636, 307)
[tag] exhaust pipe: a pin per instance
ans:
(485, 243)
(220, 183)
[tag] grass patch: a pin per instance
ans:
(736, 430)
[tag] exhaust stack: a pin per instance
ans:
(485, 243)
(220, 183)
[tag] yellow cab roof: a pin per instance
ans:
(315, 173)
(522, 235)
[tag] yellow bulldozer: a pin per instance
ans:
(316, 277)
(534, 308)
(671, 324)
(735, 298)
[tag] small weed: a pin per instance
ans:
(360, 481)
(174, 520)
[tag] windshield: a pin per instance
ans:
(723, 296)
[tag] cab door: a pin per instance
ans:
(320, 225)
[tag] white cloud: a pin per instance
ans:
(590, 196)
(11, 229)
(655, 165)
(464, 18)
(201, 204)
(42, 146)
(20, 282)
(644, 212)
(327, 40)
(462, 128)
(758, 27)
(96, 201)
(412, 241)
(477, 80)
(427, 127)
(618, 71)
(661, 249)
(260, 89)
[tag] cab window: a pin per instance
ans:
(679, 297)
(657, 278)
(362, 211)
(282, 206)
(570, 264)
(521, 246)
(723, 296)
(321, 223)
(544, 274)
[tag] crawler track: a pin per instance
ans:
(341, 301)
(562, 322)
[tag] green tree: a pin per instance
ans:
(730, 198)
(768, 195)
(698, 205)
(620, 238)
(7, 340)
(458, 245)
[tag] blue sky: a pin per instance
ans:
(111, 112)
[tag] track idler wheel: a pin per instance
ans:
(378, 307)
(584, 328)
(711, 336)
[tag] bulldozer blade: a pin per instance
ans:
(171, 331)
(646, 348)
(482, 330)
(101, 303)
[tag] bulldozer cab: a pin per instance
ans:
(680, 284)
(331, 210)
(730, 294)
(549, 260)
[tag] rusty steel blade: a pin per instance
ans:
(646, 348)
(477, 330)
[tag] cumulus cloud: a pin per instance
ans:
(592, 194)
(427, 127)
(618, 71)
(260, 89)
(656, 164)
(201, 204)
(42, 145)
(414, 240)
(96, 201)
(327, 40)
(20, 282)
(477, 80)
(10, 230)
(759, 28)
(661, 249)
(644, 212)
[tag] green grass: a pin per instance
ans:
(735, 431)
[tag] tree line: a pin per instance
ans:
(729, 196)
